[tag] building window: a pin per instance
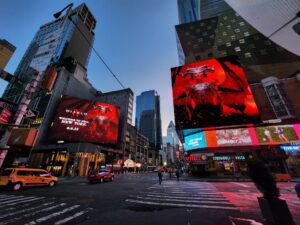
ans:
(252, 45)
(208, 27)
(263, 52)
(232, 20)
(223, 53)
(233, 37)
(237, 30)
(228, 27)
(187, 33)
(242, 41)
(201, 24)
(200, 39)
(246, 34)
(242, 23)
(248, 55)
(212, 36)
(224, 33)
(237, 49)
(256, 37)
(267, 42)
(204, 33)
(195, 46)
(198, 30)
(219, 41)
(225, 17)
(189, 43)
(191, 27)
(228, 44)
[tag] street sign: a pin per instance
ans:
(31, 114)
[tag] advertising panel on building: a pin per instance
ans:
(212, 92)
(251, 136)
(86, 121)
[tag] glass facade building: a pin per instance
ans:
(148, 120)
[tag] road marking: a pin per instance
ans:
(43, 219)
(32, 213)
(10, 198)
(187, 201)
(242, 185)
(246, 191)
(195, 194)
(72, 217)
(24, 210)
(16, 200)
(30, 200)
(180, 205)
(197, 198)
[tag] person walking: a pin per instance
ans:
(170, 174)
(177, 174)
(159, 176)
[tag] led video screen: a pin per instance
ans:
(251, 136)
(213, 92)
(85, 121)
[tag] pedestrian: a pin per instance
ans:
(170, 174)
(297, 189)
(159, 176)
(177, 174)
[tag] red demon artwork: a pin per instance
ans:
(213, 92)
(84, 120)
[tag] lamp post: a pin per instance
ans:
(68, 13)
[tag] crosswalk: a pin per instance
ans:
(182, 194)
(32, 210)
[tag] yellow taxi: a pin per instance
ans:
(25, 177)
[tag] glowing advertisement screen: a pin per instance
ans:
(213, 92)
(195, 141)
(252, 136)
(87, 121)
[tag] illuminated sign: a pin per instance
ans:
(86, 121)
(195, 141)
(213, 92)
(251, 136)
(229, 158)
(290, 148)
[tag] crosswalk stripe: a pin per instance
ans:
(24, 210)
(187, 201)
(72, 217)
(197, 198)
(180, 205)
(32, 213)
(10, 197)
(195, 194)
(242, 185)
(16, 200)
(43, 219)
(29, 200)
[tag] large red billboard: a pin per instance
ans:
(212, 92)
(87, 121)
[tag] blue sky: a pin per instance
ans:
(136, 38)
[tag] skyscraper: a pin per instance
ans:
(54, 42)
(6, 52)
(148, 120)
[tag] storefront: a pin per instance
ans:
(74, 159)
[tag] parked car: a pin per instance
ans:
(100, 175)
(17, 178)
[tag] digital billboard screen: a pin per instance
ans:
(87, 121)
(251, 136)
(212, 92)
(195, 141)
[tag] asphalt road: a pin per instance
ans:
(135, 199)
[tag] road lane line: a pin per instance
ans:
(186, 194)
(73, 217)
(181, 205)
(186, 201)
(29, 200)
(43, 219)
(25, 210)
(32, 213)
(242, 185)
